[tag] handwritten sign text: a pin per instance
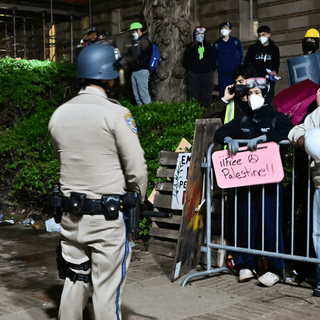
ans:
(248, 167)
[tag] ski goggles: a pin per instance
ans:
(259, 81)
(200, 30)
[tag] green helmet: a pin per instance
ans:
(135, 26)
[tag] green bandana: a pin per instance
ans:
(201, 51)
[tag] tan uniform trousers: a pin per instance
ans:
(106, 245)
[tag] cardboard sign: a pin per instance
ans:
(248, 168)
(180, 181)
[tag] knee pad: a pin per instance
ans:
(74, 276)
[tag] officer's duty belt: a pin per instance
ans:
(108, 205)
(90, 205)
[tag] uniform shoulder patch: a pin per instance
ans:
(131, 123)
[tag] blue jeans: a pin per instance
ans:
(140, 86)
(316, 229)
(246, 260)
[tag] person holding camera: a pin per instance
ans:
(234, 100)
(258, 124)
(96, 143)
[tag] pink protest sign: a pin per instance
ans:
(248, 168)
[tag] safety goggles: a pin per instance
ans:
(201, 30)
(259, 81)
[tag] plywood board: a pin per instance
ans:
(191, 234)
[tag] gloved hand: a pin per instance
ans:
(117, 65)
(252, 144)
(233, 146)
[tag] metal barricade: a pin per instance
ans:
(235, 248)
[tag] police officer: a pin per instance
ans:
(96, 143)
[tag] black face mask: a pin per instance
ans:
(241, 90)
(310, 46)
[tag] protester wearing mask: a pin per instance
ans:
(234, 100)
(139, 57)
(228, 54)
(262, 55)
(198, 59)
(258, 124)
(310, 43)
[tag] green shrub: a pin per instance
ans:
(161, 126)
(30, 92)
(28, 164)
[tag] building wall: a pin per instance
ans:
(287, 19)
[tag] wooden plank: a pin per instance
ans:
(167, 158)
(165, 173)
(164, 186)
(164, 233)
(181, 148)
(218, 258)
(176, 219)
(165, 248)
(162, 200)
(192, 227)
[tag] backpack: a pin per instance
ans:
(155, 56)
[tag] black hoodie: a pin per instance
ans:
(275, 125)
(140, 53)
(263, 57)
(191, 56)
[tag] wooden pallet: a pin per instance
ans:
(164, 233)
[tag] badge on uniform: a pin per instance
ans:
(131, 123)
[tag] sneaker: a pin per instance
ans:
(316, 292)
(245, 275)
(269, 279)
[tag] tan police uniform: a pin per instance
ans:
(99, 152)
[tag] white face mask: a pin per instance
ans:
(263, 39)
(200, 37)
(255, 102)
(225, 32)
(135, 36)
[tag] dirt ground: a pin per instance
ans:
(18, 213)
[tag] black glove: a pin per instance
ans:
(117, 65)
(233, 146)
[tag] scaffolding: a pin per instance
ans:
(33, 32)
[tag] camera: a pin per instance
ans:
(232, 90)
